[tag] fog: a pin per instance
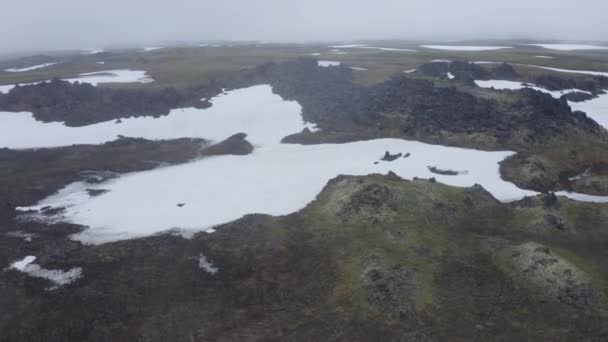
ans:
(44, 24)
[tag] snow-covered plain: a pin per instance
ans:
(33, 67)
(464, 47)
(152, 48)
(570, 47)
(199, 195)
(97, 77)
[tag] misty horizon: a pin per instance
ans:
(75, 24)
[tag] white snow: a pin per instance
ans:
(441, 61)
(275, 179)
(586, 72)
(21, 264)
(464, 47)
(34, 67)
(91, 51)
(328, 63)
(347, 46)
(97, 77)
(221, 189)
(513, 85)
(231, 113)
(387, 49)
(4, 89)
(544, 57)
(450, 76)
(409, 71)
(358, 46)
(583, 197)
(486, 62)
(57, 277)
(596, 108)
(112, 76)
(315, 54)
(146, 49)
(569, 47)
(357, 68)
(206, 265)
(101, 63)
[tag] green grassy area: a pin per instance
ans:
(184, 66)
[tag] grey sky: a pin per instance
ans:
(42, 24)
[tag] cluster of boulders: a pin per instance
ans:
(79, 104)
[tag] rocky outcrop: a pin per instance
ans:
(236, 145)
(79, 104)
(594, 84)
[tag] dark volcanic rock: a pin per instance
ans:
(577, 96)
(594, 84)
(390, 157)
(439, 171)
(236, 145)
(79, 104)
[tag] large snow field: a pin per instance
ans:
(275, 179)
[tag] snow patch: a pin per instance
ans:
(450, 76)
(206, 265)
(464, 47)
(347, 46)
(328, 63)
(57, 277)
(21, 264)
(586, 72)
(514, 85)
(146, 49)
(544, 57)
(91, 51)
(34, 67)
(569, 47)
(360, 69)
(97, 77)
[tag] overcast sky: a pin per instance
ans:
(55, 24)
